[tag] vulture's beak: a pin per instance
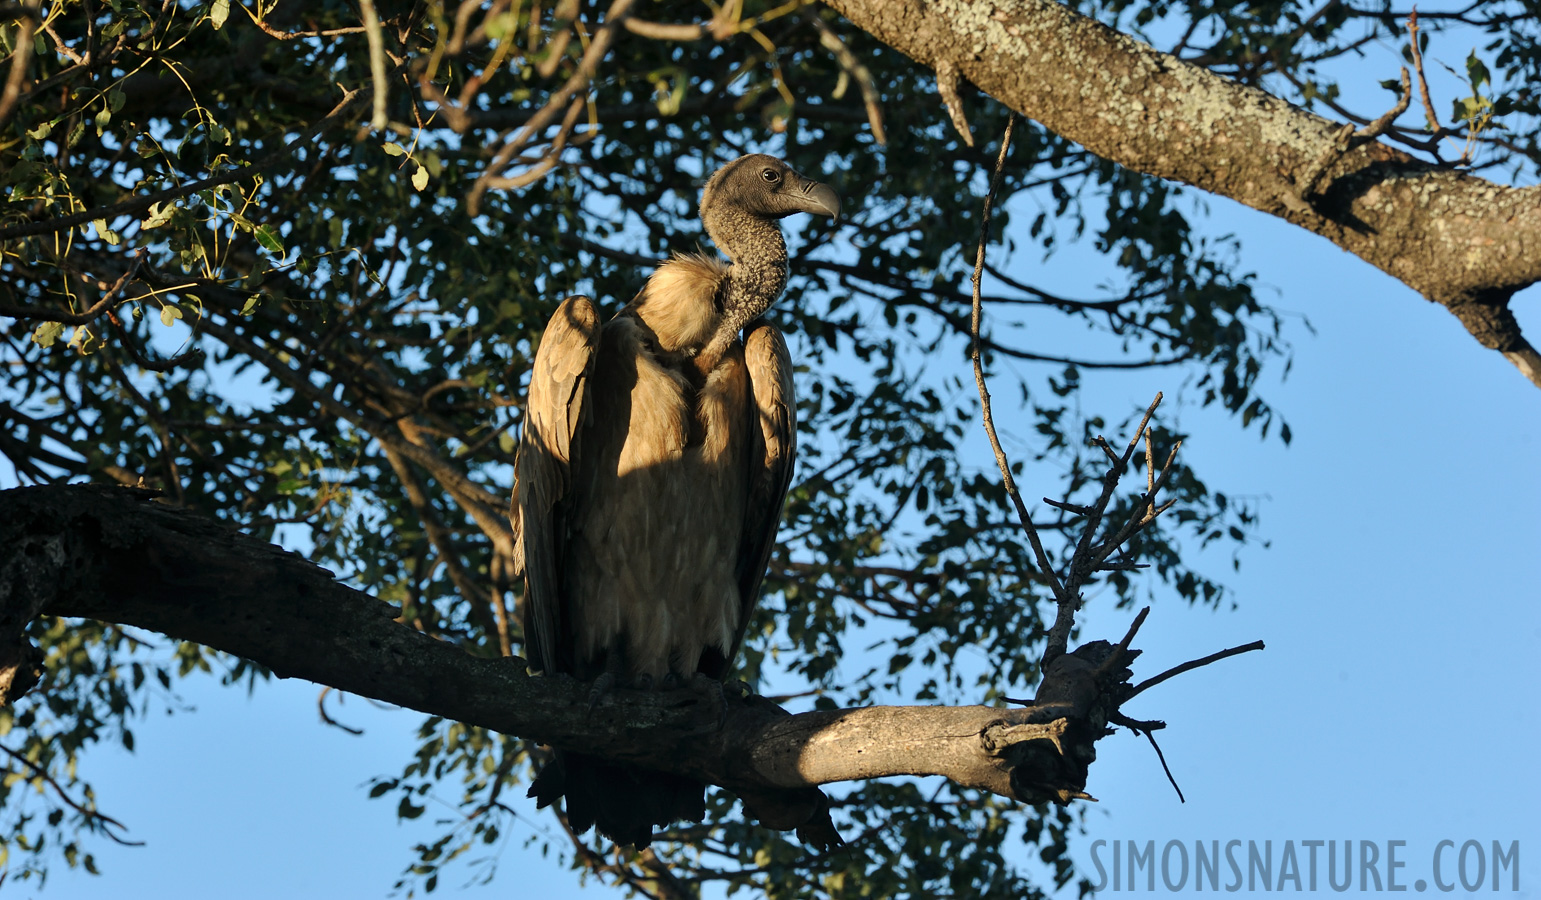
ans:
(813, 197)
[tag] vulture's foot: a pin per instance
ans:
(643, 682)
(705, 684)
(739, 689)
(603, 685)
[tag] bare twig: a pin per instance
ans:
(277, 35)
(107, 822)
(1042, 557)
(1435, 131)
(947, 86)
(1085, 559)
(1191, 665)
(1151, 736)
(376, 61)
(1108, 449)
(326, 718)
(854, 68)
(1118, 718)
(1347, 139)
(109, 296)
(562, 19)
(21, 57)
(559, 100)
(1067, 507)
(441, 540)
(661, 31)
(185, 358)
(1114, 659)
(547, 160)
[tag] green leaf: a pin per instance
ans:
(46, 333)
(41, 131)
(105, 233)
(219, 13)
(160, 214)
(1476, 71)
(420, 178)
(406, 810)
(270, 240)
(169, 314)
(393, 149)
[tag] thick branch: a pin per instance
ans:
(119, 555)
(1461, 241)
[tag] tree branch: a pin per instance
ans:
(1154, 113)
(120, 555)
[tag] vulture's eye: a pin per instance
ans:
(771, 176)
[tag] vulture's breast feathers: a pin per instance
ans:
(682, 302)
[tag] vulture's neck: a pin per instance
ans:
(755, 279)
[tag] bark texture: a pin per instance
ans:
(120, 555)
(1460, 241)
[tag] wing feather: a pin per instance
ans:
(559, 388)
(772, 454)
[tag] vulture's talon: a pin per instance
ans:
(712, 688)
(603, 685)
(643, 682)
(739, 689)
(672, 682)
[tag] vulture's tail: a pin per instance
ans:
(623, 802)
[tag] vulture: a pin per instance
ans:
(656, 454)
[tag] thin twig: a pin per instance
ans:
(21, 57)
(947, 86)
(1347, 139)
(1191, 665)
(1106, 448)
(1423, 82)
(1151, 736)
(327, 719)
(376, 60)
(1118, 718)
(69, 801)
(1149, 729)
(1084, 559)
(1123, 646)
(661, 31)
(1042, 557)
(855, 69)
(109, 295)
(598, 47)
(1067, 507)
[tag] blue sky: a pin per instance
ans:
(1398, 599)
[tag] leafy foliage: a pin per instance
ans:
(239, 266)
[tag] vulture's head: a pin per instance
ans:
(758, 189)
